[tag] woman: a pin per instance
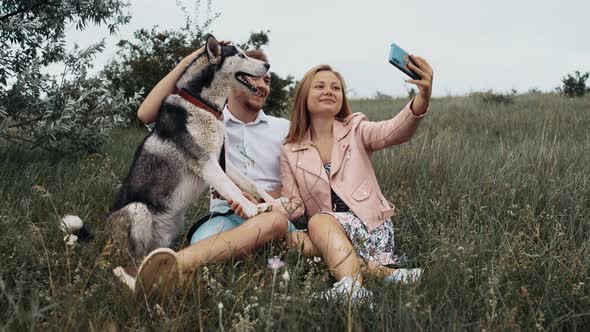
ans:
(327, 174)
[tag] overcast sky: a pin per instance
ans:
(472, 45)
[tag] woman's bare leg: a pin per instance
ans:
(235, 242)
(331, 241)
(374, 269)
(301, 240)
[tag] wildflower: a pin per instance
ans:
(275, 263)
(220, 307)
(317, 259)
(38, 188)
(159, 312)
(70, 239)
(285, 275)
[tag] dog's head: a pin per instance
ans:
(219, 68)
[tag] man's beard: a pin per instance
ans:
(253, 106)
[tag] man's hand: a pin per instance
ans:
(421, 67)
(275, 192)
(238, 208)
(189, 58)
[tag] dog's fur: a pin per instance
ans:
(180, 157)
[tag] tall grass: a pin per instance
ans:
(493, 201)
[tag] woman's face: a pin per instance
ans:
(325, 94)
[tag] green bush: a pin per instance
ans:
(67, 112)
(142, 62)
(574, 86)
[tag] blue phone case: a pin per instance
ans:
(400, 59)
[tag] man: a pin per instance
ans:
(253, 146)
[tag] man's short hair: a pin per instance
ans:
(257, 54)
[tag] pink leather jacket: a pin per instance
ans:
(307, 186)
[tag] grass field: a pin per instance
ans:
(493, 202)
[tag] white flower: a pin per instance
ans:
(220, 306)
(70, 239)
(285, 276)
(317, 259)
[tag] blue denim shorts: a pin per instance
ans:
(218, 224)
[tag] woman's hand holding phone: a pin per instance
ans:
(421, 67)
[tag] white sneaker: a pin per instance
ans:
(158, 276)
(405, 276)
(345, 288)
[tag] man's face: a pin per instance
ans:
(253, 101)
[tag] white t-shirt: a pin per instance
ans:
(255, 149)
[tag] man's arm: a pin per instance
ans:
(148, 110)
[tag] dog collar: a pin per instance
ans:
(200, 104)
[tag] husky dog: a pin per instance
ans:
(182, 155)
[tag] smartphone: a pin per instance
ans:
(400, 59)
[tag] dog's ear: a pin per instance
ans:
(213, 49)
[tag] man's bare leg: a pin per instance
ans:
(235, 242)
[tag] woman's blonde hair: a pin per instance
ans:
(300, 114)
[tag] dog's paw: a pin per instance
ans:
(250, 209)
(264, 207)
(266, 197)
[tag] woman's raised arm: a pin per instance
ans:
(379, 135)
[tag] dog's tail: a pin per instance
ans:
(73, 225)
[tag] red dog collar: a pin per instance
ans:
(187, 96)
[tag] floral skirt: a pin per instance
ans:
(377, 245)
